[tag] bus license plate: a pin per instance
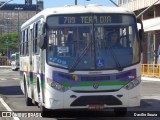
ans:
(96, 107)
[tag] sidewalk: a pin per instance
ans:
(5, 67)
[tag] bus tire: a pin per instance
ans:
(16, 69)
(27, 99)
(45, 112)
(122, 111)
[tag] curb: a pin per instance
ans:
(5, 67)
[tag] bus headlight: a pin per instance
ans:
(56, 85)
(133, 83)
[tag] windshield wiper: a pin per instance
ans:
(74, 65)
(119, 68)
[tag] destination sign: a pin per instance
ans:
(89, 19)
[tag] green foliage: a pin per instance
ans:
(10, 41)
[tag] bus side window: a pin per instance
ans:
(36, 38)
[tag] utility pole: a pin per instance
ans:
(18, 9)
(75, 2)
(114, 3)
(7, 39)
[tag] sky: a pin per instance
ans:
(60, 3)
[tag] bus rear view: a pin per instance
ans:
(15, 61)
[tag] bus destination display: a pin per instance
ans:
(87, 19)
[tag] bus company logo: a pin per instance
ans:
(6, 114)
(95, 85)
(75, 77)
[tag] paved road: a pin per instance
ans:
(11, 94)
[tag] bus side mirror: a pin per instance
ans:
(42, 40)
(141, 30)
(141, 34)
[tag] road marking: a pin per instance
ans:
(8, 108)
(15, 78)
(3, 79)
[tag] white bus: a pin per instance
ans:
(15, 61)
(66, 61)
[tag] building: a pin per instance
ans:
(28, 2)
(12, 16)
(151, 23)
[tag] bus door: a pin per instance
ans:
(31, 53)
(158, 55)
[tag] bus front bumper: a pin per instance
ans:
(72, 100)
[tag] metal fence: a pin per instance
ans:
(151, 70)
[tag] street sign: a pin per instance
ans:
(7, 42)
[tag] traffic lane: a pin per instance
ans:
(8, 74)
(17, 103)
(10, 87)
(97, 115)
(150, 88)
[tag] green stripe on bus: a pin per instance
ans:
(102, 83)
(33, 81)
(66, 84)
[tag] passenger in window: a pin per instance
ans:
(114, 42)
(70, 43)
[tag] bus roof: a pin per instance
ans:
(77, 9)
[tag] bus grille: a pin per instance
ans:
(89, 100)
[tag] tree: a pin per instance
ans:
(10, 41)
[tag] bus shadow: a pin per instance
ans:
(10, 90)
(147, 106)
(83, 115)
(92, 115)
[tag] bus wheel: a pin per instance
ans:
(120, 111)
(45, 112)
(28, 100)
(16, 69)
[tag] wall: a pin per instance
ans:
(9, 20)
(139, 4)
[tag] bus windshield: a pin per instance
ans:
(92, 41)
(15, 57)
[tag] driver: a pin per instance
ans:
(114, 42)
